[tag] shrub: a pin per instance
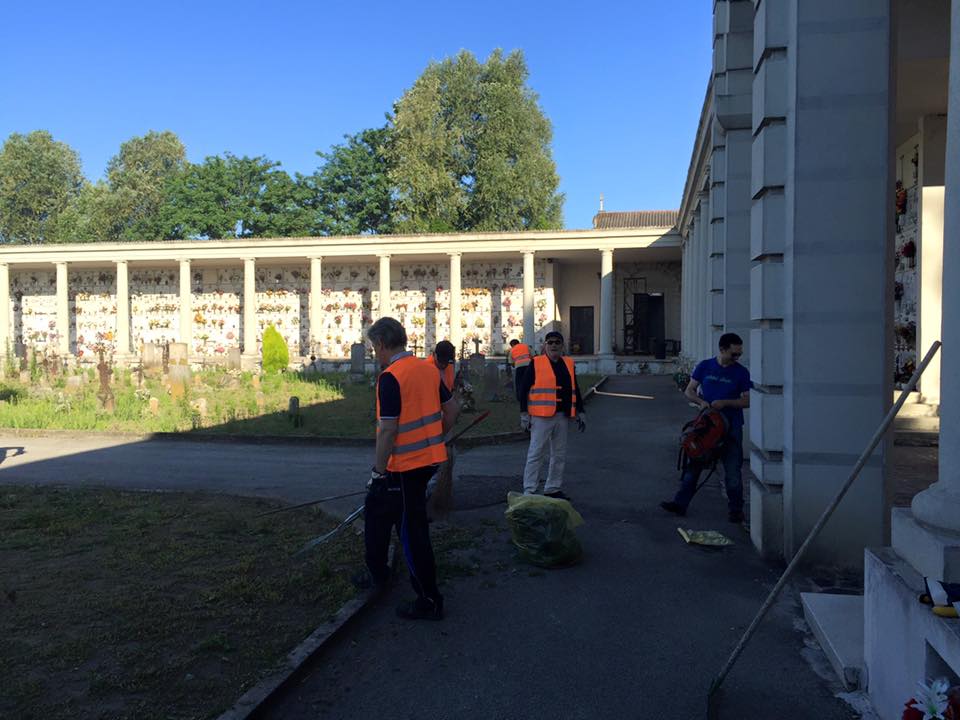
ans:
(276, 357)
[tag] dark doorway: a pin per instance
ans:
(646, 334)
(581, 330)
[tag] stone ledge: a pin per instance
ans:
(904, 642)
(932, 553)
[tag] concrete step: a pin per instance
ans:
(912, 398)
(917, 424)
(919, 409)
(837, 623)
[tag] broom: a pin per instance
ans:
(441, 500)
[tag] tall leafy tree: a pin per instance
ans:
(470, 150)
(351, 189)
(137, 176)
(38, 178)
(94, 215)
(233, 196)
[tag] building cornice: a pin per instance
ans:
(332, 248)
(699, 162)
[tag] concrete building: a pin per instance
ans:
(477, 290)
(797, 236)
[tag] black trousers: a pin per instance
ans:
(401, 502)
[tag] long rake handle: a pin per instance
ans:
(824, 517)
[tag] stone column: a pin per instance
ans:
(455, 296)
(704, 292)
(933, 135)
(529, 288)
(384, 277)
(316, 301)
(249, 354)
(6, 341)
(938, 507)
(837, 270)
(63, 310)
(730, 170)
(186, 306)
(683, 294)
(122, 343)
(607, 361)
(768, 221)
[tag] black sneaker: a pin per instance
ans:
(557, 495)
(672, 507)
(421, 609)
(735, 516)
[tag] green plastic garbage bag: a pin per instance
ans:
(542, 529)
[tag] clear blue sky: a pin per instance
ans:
(622, 82)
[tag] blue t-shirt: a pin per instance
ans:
(723, 383)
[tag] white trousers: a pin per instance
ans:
(547, 435)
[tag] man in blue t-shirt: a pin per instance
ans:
(723, 384)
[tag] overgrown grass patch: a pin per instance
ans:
(235, 404)
(154, 605)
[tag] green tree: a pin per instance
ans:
(351, 189)
(470, 150)
(38, 178)
(137, 176)
(233, 196)
(94, 215)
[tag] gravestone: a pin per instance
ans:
(255, 381)
(358, 361)
(261, 402)
(74, 383)
(154, 406)
(152, 358)
(491, 382)
(178, 354)
(233, 358)
(200, 407)
(477, 365)
(293, 412)
(180, 374)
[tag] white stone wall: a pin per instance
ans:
(491, 306)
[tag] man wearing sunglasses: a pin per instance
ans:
(723, 384)
(549, 401)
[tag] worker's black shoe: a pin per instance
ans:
(735, 516)
(672, 507)
(557, 495)
(421, 609)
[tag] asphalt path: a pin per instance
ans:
(636, 630)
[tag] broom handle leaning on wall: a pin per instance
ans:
(874, 441)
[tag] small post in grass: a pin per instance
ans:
(293, 412)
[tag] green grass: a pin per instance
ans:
(128, 605)
(331, 405)
(153, 605)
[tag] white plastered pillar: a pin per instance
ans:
(316, 301)
(122, 344)
(529, 287)
(384, 277)
(63, 310)
(249, 354)
(6, 341)
(455, 296)
(938, 507)
(607, 361)
(186, 306)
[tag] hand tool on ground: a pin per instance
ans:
(317, 541)
(712, 708)
(312, 502)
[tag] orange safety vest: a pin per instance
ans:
(446, 374)
(520, 355)
(419, 441)
(543, 397)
